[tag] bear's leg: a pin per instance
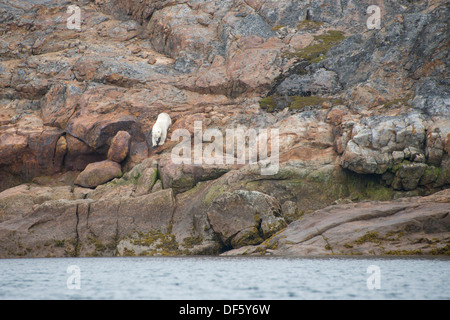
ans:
(163, 137)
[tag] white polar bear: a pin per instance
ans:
(160, 129)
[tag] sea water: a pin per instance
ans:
(224, 278)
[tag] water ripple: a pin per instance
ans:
(225, 278)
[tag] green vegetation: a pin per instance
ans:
(309, 25)
(400, 101)
(356, 187)
(59, 243)
(327, 245)
(432, 170)
(251, 237)
(267, 243)
(73, 243)
(192, 241)
(214, 191)
(404, 252)
(128, 253)
(313, 53)
(395, 236)
(299, 103)
(274, 102)
(158, 243)
(441, 251)
(277, 27)
(316, 51)
(150, 238)
(369, 237)
(268, 104)
(100, 248)
(184, 183)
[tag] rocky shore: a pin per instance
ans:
(363, 117)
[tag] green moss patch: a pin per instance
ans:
(268, 104)
(404, 252)
(309, 25)
(369, 237)
(277, 27)
(192, 241)
(441, 251)
(299, 103)
(316, 51)
(274, 102)
(399, 102)
(159, 243)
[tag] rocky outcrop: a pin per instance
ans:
(120, 146)
(408, 226)
(183, 177)
(98, 173)
(361, 114)
(240, 213)
(398, 148)
(245, 217)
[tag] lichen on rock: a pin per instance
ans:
(361, 115)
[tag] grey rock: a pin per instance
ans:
(98, 173)
(245, 217)
(252, 24)
(146, 181)
(429, 176)
(370, 228)
(320, 82)
(380, 142)
(184, 65)
(432, 97)
(444, 173)
(410, 174)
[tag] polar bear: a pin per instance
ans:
(160, 129)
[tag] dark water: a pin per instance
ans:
(224, 278)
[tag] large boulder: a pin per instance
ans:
(245, 217)
(120, 145)
(98, 173)
(182, 177)
(47, 230)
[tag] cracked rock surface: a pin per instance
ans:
(363, 117)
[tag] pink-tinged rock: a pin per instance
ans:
(79, 154)
(98, 130)
(43, 146)
(120, 146)
(59, 104)
(254, 63)
(214, 79)
(98, 173)
(12, 146)
(60, 152)
(367, 228)
(300, 41)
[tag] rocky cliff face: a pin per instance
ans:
(362, 114)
